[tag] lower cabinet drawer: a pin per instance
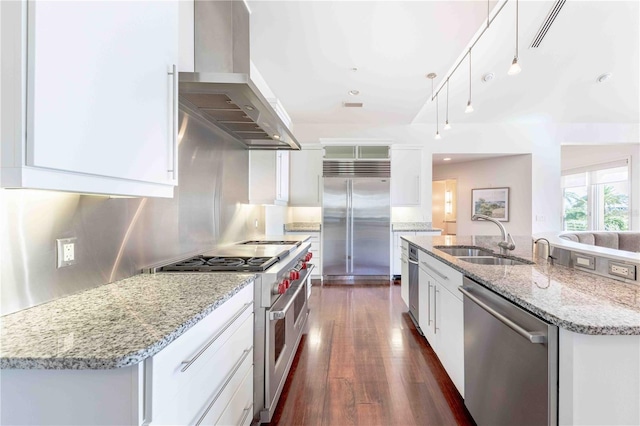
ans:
(239, 411)
(445, 274)
(180, 402)
(198, 344)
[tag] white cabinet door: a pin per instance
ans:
(406, 173)
(282, 176)
(451, 336)
(268, 177)
(397, 251)
(100, 97)
(306, 178)
(428, 310)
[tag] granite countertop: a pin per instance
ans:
(302, 227)
(412, 227)
(574, 300)
(114, 325)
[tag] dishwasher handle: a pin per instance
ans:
(532, 337)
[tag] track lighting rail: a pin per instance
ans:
(484, 29)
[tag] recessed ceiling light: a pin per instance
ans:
(354, 69)
(354, 92)
(249, 107)
(276, 137)
(431, 75)
(446, 159)
(603, 77)
(488, 77)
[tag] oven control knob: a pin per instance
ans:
(286, 283)
(297, 275)
(308, 256)
(282, 289)
(304, 265)
(293, 275)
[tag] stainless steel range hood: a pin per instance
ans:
(220, 90)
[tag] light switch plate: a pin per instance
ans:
(66, 251)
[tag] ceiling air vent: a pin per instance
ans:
(352, 104)
(544, 28)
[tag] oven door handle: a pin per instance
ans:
(278, 315)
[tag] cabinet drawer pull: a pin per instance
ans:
(189, 362)
(247, 410)
(245, 354)
(174, 122)
(435, 271)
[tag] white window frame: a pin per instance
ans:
(589, 169)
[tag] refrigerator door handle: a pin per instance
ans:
(351, 216)
(348, 228)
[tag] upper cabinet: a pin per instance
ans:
(306, 177)
(406, 172)
(269, 177)
(90, 96)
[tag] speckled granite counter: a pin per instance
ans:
(571, 299)
(114, 325)
(412, 227)
(302, 227)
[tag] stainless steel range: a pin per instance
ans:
(280, 303)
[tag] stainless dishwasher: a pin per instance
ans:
(414, 276)
(510, 361)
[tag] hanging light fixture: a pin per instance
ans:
(437, 120)
(469, 106)
(515, 66)
(447, 126)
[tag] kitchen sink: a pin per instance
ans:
(491, 260)
(464, 251)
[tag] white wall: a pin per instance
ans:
(574, 156)
(512, 171)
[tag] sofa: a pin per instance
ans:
(627, 241)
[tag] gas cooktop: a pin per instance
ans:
(221, 263)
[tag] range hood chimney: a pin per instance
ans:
(220, 90)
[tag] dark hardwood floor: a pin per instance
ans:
(363, 363)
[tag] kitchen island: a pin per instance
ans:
(598, 320)
(107, 355)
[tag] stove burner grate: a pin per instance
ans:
(227, 262)
(221, 263)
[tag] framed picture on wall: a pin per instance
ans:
(493, 202)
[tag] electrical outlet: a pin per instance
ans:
(66, 253)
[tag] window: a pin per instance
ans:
(596, 198)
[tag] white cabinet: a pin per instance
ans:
(396, 246)
(90, 96)
(195, 378)
(406, 173)
(315, 250)
(269, 177)
(306, 177)
(404, 277)
(442, 316)
(205, 374)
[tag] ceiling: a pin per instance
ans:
(305, 50)
(439, 159)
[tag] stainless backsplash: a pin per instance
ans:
(117, 237)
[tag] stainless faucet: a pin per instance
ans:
(507, 242)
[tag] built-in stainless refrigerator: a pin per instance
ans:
(356, 228)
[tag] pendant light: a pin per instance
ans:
(437, 119)
(447, 126)
(515, 66)
(469, 106)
